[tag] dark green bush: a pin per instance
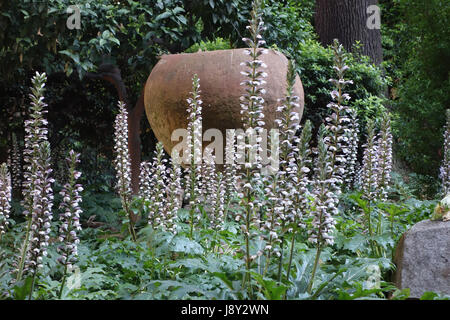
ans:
(210, 45)
(416, 38)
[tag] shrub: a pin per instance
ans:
(417, 39)
(210, 45)
(315, 67)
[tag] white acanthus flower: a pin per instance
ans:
(252, 105)
(5, 198)
(153, 186)
(384, 157)
(325, 200)
(35, 134)
(230, 173)
(122, 164)
(173, 193)
(193, 184)
(352, 164)
(337, 122)
(16, 168)
(369, 170)
(300, 178)
(70, 217)
(122, 160)
(37, 189)
(41, 213)
(213, 190)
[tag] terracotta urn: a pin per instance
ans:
(170, 84)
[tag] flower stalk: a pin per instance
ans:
(325, 202)
(70, 218)
(5, 198)
(194, 158)
(252, 105)
(35, 135)
(122, 164)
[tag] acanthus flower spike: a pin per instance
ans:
(5, 198)
(70, 217)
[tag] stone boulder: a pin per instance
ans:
(423, 259)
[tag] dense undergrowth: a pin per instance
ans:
(324, 225)
(163, 266)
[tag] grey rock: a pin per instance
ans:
(423, 259)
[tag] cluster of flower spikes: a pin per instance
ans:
(145, 180)
(352, 134)
(288, 126)
(376, 168)
(42, 209)
(337, 122)
(249, 149)
(445, 167)
(5, 197)
(384, 157)
(213, 190)
(325, 201)
(369, 170)
(274, 209)
(173, 194)
(14, 163)
(279, 185)
(37, 192)
(193, 183)
(153, 185)
(300, 174)
(35, 133)
(122, 162)
(70, 215)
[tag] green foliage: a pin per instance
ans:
(162, 266)
(216, 44)
(287, 25)
(417, 39)
(315, 67)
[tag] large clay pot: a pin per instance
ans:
(170, 84)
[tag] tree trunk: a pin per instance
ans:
(348, 21)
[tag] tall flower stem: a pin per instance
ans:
(5, 198)
(252, 105)
(291, 255)
(35, 134)
(325, 203)
(194, 176)
(123, 164)
(313, 273)
(23, 251)
(70, 218)
(300, 180)
(370, 175)
(280, 261)
(33, 281)
(63, 282)
(337, 123)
